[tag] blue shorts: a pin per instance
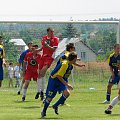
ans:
(54, 86)
(115, 81)
(1, 73)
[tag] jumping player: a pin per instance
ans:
(49, 45)
(58, 82)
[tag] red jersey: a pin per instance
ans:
(32, 62)
(53, 42)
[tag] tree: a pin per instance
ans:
(70, 31)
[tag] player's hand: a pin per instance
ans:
(4, 64)
(113, 76)
(45, 44)
(69, 87)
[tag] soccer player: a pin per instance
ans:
(69, 48)
(21, 59)
(114, 61)
(49, 45)
(58, 82)
(2, 60)
(30, 68)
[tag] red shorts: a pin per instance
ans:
(30, 74)
(45, 60)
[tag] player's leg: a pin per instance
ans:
(21, 86)
(112, 104)
(108, 93)
(41, 82)
(26, 84)
(50, 94)
(61, 100)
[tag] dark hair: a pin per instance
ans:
(72, 56)
(35, 45)
(70, 46)
(49, 28)
(10, 63)
(116, 45)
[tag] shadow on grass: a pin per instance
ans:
(115, 115)
(31, 107)
(20, 101)
(50, 118)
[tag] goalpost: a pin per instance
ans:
(117, 23)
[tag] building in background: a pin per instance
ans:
(21, 45)
(85, 53)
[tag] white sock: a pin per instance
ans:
(38, 84)
(114, 101)
(24, 92)
(42, 85)
(21, 85)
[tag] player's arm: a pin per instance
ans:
(4, 61)
(111, 68)
(112, 72)
(64, 82)
(51, 48)
(55, 44)
(21, 58)
(39, 49)
(78, 65)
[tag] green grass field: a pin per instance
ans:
(85, 104)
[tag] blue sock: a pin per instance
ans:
(46, 104)
(60, 101)
(108, 96)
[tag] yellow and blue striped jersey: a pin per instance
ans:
(63, 57)
(114, 61)
(2, 52)
(63, 69)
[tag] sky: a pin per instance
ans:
(52, 10)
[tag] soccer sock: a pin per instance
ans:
(24, 92)
(108, 96)
(46, 104)
(38, 85)
(113, 103)
(42, 84)
(21, 85)
(60, 101)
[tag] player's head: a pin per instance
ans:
(1, 40)
(34, 48)
(30, 45)
(50, 31)
(72, 57)
(10, 63)
(70, 47)
(117, 48)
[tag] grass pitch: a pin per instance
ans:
(85, 103)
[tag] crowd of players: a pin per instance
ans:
(34, 66)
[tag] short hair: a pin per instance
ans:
(35, 46)
(30, 43)
(10, 63)
(116, 45)
(72, 56)
(70, 46)
(49, 28)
